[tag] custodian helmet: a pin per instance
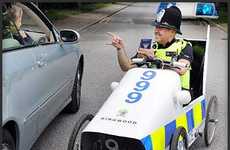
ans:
(169, 18)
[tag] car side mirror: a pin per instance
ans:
(69, 35)
(183, 97)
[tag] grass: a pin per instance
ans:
(61, 13)
(54, 14)
(91, 7)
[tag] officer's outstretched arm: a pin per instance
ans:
(124, 61)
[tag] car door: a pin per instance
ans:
(36, 77)
(56, 62)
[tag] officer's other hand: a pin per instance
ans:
(145, 53)
(117, 42)
(182, 70)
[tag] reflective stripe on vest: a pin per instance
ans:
(166, 54)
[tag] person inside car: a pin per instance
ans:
(166, 47)
(15, 14)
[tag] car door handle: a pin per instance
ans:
(40, 63)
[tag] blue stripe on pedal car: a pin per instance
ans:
(203, 106)
(147, 143)
(190, 122)
(169, 130)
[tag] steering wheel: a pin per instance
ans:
(159, 63)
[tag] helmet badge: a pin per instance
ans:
(160, 15)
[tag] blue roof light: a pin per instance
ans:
(207, 9)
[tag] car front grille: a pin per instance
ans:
(99, 141)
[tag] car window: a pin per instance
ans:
(23, 28)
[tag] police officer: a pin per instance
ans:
(165, 47)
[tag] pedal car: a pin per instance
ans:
(148, 110)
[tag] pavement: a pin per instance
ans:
(85, 20)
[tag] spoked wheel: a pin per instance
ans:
(210, 121)
(75, 138)
(179, 140)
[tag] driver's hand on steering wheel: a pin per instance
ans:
(145, 53)
(22, 33)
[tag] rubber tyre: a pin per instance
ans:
(74, 105)
(180, 132)
(76, 129)
(212, 104)
(8, 142)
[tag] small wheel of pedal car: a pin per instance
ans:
(211, 120)
(75, 138)
(179, 139)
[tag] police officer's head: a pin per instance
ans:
(167, 24)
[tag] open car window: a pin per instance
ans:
(23, 28)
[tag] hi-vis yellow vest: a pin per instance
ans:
(166, 54)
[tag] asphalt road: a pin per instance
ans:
(101, 68)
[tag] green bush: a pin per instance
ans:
(198, 48)
(54, 14)
(59, 11)
(223, 13)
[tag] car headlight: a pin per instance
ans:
(207, 9)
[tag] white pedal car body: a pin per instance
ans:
(148, 110)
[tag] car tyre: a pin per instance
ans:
(8, 142)
(210, 120)
(75, 138)
(74, 105)
(179, 140)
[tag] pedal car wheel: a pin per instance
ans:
(179, 140)
(75, 138)
(210, 121)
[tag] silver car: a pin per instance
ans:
(42, 72)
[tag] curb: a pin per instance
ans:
(102, 18)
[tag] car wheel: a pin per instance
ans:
(75, 138)
(74, 105)
(8, 142)
(210, 121)
(179, 139)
